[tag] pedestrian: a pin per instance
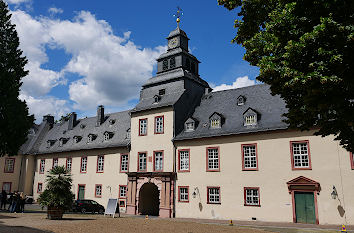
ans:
(22, 202)
(14, 204)
(10, 201)
(3, 200)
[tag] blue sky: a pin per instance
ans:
(85, 53)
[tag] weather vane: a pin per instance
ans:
(178, 15)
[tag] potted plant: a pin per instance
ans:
(57, 195)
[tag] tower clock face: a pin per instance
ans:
(172, 43)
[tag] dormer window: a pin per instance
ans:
(112, 121)
(189, 126)
(250, 117)
(77, 139)
(91, 138)
(165, 65)
(107, 136)
(62, 141)
(241, 100)
(172, 62)
(50, 143)
(215, 123)
(162, 92)
(215, 120)
(128, 134)
(156, 99)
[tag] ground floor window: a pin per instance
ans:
(98, 190)
(6, 186)
(213, 195)
(183, 193)
(122, 191)
(40, 188)
(251, 196)
(121, 202)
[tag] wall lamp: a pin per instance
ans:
(196, 190)
(334, 193)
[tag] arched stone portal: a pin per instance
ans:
(149, 201)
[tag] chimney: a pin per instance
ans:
(100, 115)
(48, 119)
(207, 90)
(72, 121)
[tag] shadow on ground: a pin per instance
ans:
(20, 229)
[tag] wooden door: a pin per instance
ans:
(305, 207)
(81, 193)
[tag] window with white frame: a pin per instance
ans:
(42, 166)
(189, 126)
(55, 162)
(184, 160)
(106, 136)
(98, 191)
(124, 163)
(6, 186)
(142, 161)
(68, 164)
(213, 159)
(122, 191)
(214, 195)
(9, 165)
(300, 155)
(251, 120)
(61, 142)
(100, 163)
(128, 134)
(83, 167)
(90, 138)
(77, 139)
(158, 161)
(249, 157)
(215, 123)
(183, 194)
(40, 188)
(143, 126)
(252, 196)
(159, 124)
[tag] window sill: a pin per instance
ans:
(214, 203)
(252, 205)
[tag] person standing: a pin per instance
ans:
(10, 201)
(3, 199)
(14, 204)
(22, 200)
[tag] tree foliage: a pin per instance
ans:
(304, 51)
(14, 118)
(58, 189)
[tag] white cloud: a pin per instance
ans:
(111, 68)
(54, 10)
(17, 1)
(239, 82)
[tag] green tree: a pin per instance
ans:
(304, 50)
(14, 118)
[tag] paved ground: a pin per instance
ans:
(77, 223)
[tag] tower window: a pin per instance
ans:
(172, 62)
(164, 65)
(193, 67)
(188, 64)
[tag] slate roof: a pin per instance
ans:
(258, 97)
(177, 31)
(60, 130)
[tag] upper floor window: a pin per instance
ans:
(241, 100)
(83, 167)
(100, 163)
(189, 126)
(55, 162)
(9, 165)
(165, 65)
(98, 190)
(183, 193)
(172, 62)
(213, 195)
(156, 99)
(162, 92)
(77, 139)
(215, 123)
(352, 160)
(42, 166)
(251, 196)
(213, 163)
(128, 134)
(250, 120)
(215, 120)
(91, 137)
(50, 143)
(183, 156)
(300, 155)
(69, 162)
(40, 188)
(249, 157)
(142, 161)
(142, 127)
(124, 162)
(62, 141)
(107, 136)
(158, 160)
(122, 191)
(159, 120)
(7, 186)
(250, 117)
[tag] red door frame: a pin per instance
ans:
(293, 202)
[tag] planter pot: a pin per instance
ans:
(55, 213)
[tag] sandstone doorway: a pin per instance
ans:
(149, 203)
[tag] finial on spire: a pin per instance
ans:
(178, 15)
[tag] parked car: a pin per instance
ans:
(84, 206)
(29, 200)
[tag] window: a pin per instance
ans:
(183, 156)
(77, 139)
(213, 195)
(352, 160)
(189, 126)
(61, 142)
(40, 188)
(251, 120)
(124, 162)
(91, 137)
(159, 120)
(158, 160)
(100, 163)
(68, 163)
(128, 134)
(83, 167)
(98, 190)
(249, 157)
(164, 65)
(142, 127)
(9, 165)
(121, 202)
(122, 191)
(7, 187)
(215, 123)
(300, 155)
(172, 62)
(183, 193)
(213, 159)
(251, 196)
(193, 67)
(42, 166)
(188, 64)
(241, 100)
(156, 99)
(162, 91)
(107, 136)
(55, 162)
(142, 161)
